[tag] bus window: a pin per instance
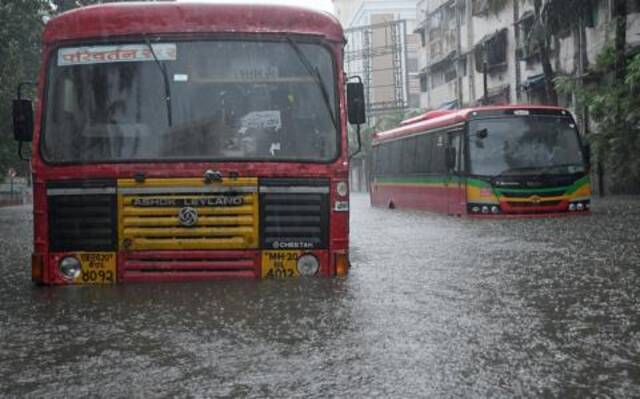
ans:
(408, 158)
(438, 148)
(423, 154)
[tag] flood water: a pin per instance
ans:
(434, 306)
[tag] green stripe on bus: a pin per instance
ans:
(441, 180)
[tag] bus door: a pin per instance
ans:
(455, 179)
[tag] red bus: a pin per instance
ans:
(177, 141)
(484, 162)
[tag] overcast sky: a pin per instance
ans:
(325, 5)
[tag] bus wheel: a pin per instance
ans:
(391, 205)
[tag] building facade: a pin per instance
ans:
(382, 49)
(471, 53)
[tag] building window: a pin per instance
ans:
(412, 64)
(424, 87)
(633, 6)
(480, 7)
(450, 74)
(493, 50)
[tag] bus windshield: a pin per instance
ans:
(227, 100)
(524, 145)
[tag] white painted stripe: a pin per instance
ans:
(80, 191)
(295, 190)
(187, 190)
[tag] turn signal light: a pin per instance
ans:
(342, 264)
(37, 268)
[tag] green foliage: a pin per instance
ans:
(21, 25)
(615, 108)
(20, 29)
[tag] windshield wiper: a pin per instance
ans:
(313, 72)
(165, 77)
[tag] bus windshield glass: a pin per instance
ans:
(524, 145)
(227, 100)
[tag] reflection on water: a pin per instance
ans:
(434, 306)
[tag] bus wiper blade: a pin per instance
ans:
(315, 74)
(165, 77)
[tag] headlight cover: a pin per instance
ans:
(70, 267)
(308, 265)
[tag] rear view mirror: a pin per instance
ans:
(356, 103)
(22, 120)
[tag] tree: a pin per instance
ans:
(20, 30)
(615, 106)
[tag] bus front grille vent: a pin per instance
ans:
(149, 226)
(82, 223)
(294, 214)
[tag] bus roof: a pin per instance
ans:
(139, 18)
(443, 119)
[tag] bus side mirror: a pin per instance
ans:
(356, 103)
(450, 156)
(22, 120)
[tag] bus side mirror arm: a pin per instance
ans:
(359, 149)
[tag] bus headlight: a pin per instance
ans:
(580, 206)
(485, 209)
(495, 210)
(70, 267)
(308, 265)
(342, 189)
(572, 207)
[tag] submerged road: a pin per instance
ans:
(434, 307)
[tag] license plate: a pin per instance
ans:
(280, 264)
(97, 268)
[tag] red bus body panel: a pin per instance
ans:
(123, 21)
(450, 196)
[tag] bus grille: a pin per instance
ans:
(546, 194)
(181, 265)
(82, 222)
(160, 228)
(294, 214)
(532, 204)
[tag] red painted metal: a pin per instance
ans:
(134, 19)
(432, 199)
(449, 118)
(116, 21)
(187, 265)
(452, 197)
(429, 115)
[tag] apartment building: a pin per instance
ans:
(472, 54)
(381, 48)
